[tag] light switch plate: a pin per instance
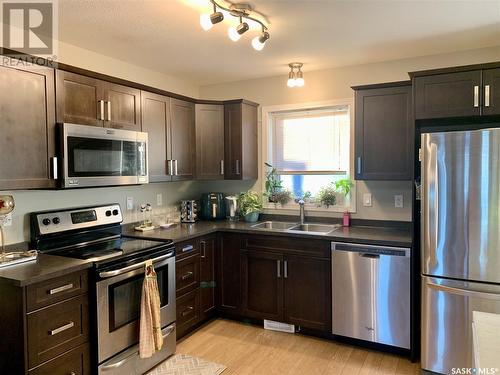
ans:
(367, 200)
(159, 199)
(398, 201)
(130, 203)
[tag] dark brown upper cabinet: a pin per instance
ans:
(240, 137)
(491, 91)
(183, 139)
(383, 131)
(156, 122)
(448, 95)
(209, 142)
(27, 118)
(88, 101)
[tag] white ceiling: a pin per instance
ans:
(166, 36)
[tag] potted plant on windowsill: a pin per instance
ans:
(250, 204)
(344, 187)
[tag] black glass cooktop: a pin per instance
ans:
(114, 248)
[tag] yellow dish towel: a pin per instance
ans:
(150, 338)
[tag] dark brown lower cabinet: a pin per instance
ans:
(74, 362)
(229, 274)
(262, 284)
(207, 276)
(307, 292)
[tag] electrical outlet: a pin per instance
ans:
(367, 200)
(159, 199)
(130, 203)
(7, 221)
(398, 201)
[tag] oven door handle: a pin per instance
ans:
(106, 274)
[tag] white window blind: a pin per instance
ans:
(312, 141)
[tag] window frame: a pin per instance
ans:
(267, 151)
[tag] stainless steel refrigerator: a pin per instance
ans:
(460, 242)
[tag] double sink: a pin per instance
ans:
(311, 228)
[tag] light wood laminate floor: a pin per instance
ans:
(247, 349)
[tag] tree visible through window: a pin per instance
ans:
(310, 149)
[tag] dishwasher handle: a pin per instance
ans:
(370, 251)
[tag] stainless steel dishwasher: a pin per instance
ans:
(371, 293)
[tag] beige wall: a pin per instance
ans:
(335, 84)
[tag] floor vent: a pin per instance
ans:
(278, 326)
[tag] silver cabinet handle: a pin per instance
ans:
(237, 167)
(61, 288)
(109, 111)
(476, 96)
(487, 95)
(54, 168)
(62, 328)
(187, 310)
(136, 266)
(101, 105)
(187, 275)
(170, 167)
(222, 167)
(285, 269)
(204, 249)
(278, 268)
(176, 166)
(359, 164)
(187, 248)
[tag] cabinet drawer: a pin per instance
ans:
(187, 248)
(74, 362)
(188, 311)
(56, 329)
(55, 290)
(187, 274)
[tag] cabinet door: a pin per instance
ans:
(233, 141)
(307, 292)
(262, 284)
(27, 121)
(209, 142)
(448, 95)
(156, 122)
(183, 143)
(250, 157)
(79, 99)
(229, 274)
(491, 92)
(384, 133)
(207, 276)
(123, 107)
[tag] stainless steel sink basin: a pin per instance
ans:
(276, 225)
(314, 228)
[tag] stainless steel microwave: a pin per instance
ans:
(95, 156)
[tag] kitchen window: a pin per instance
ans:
(310, 150)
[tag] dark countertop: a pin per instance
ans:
(50, 266)
(43, 268)
(377, 235)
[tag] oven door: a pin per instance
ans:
(119, 303)
(96, 156)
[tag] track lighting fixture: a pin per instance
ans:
(295, 79)
(242, 11)
(208, 20)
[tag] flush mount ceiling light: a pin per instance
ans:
(242, 11)
(295, 79)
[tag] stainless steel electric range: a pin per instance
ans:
(94, 234)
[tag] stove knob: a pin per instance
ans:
(46, 221)
(108, 213)
(56, 220)
(115, 212)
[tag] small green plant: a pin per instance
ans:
(273, 183)
(327, 195)
(249, 202)
(343, 186)
(283, 197)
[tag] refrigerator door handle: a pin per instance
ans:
(462, 291)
